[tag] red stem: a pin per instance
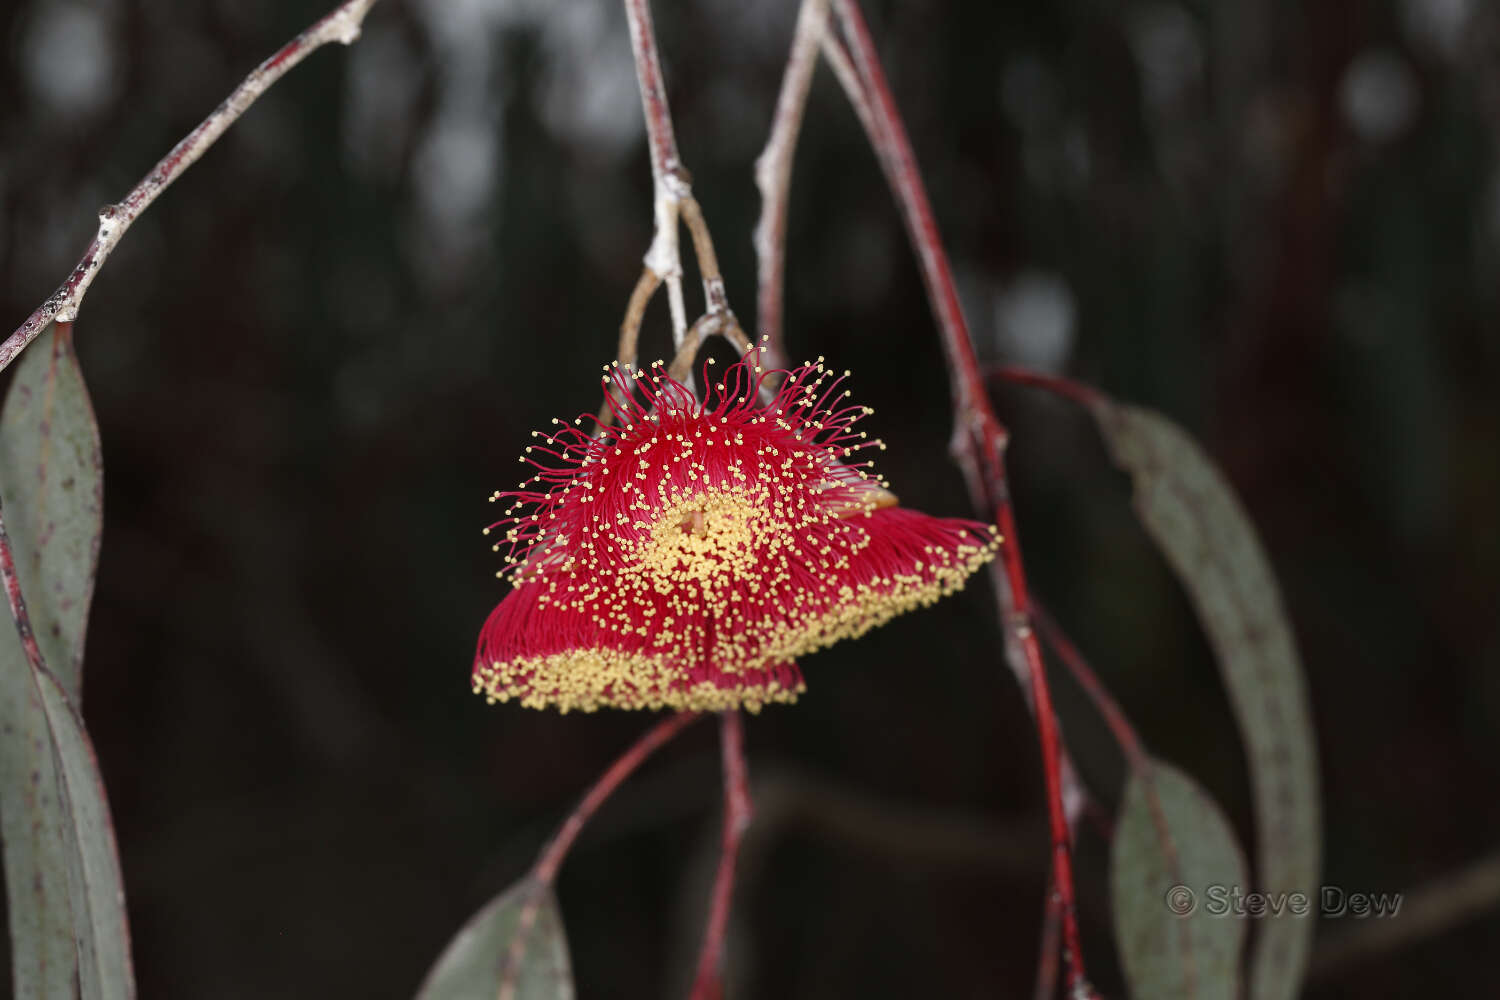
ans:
(709, 982)
(17, 602)
(1084, 395)
(551, 858)
(544, 872)
(1051, 944)
(1104, 702)
(979, 444)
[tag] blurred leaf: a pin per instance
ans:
(1171, 845)
(51, 484)
(95, 885)
(66, 901)
(471, 964)
(1206, 536)
(33, 825)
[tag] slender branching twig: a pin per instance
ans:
(342, 26)
(709, 984)
(17, 602)
(773, 176)
(1438, 906)
(673, 202)
(544, 871)
(979, 444)
(1049, 948)
(1085, 396)
(1131, 747)
(1104, 702)
(670, 181)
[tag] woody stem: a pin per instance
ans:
(341, 25)
(670, 181)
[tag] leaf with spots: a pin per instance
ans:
(95, 886)
(33, 825)
(1171, 845)
(1206, 536)
(51, 484)
(66, 901)
(472, 965)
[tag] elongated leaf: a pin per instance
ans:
(67, 914)
(52, 487)
(471, 964)
(32, 823)
(1195, 517)
(1174, 863)
(95, 886)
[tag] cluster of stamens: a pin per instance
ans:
(687, 553)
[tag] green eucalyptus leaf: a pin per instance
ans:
(51, 483)
(33, 825)
(95, 886)
(1194, 516)
(1174, 857)
(471, 965)
(66, 902)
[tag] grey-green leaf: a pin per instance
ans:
(67, 914)
(1190, 510)
(95, 886)
(470, 967)
(34, 832)
(1172, 857)
(52, 488)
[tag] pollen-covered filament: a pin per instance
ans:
(704, 539)
(687, 556)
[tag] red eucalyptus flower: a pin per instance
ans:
(687, 555)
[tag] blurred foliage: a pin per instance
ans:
(320, 352)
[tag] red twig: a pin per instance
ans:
(1049, 948)
(979, 446)
(544, 872)
(1084, 395)
(978, 436)
(341, 25)
(709, 982)
(1125, 735)
(1114, 716)
(17, 602)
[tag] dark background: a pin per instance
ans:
(312, 361)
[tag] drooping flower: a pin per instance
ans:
(686, 555)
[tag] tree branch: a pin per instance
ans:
(670, 182)
(1427, 912)
(342, 26)
(979, 442)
